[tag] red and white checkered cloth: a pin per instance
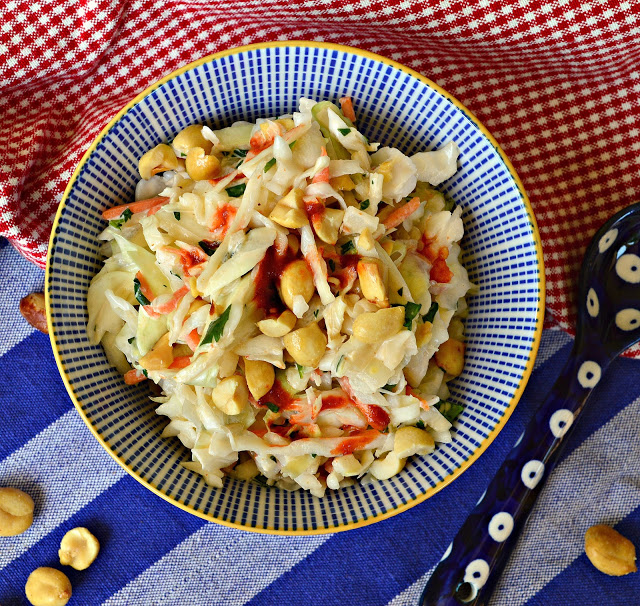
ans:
(557, 83)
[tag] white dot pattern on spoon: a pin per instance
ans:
(532, 473)
(593, 305)
(589, 374)
(477, 573)
(607, 240)
(560, 422)
(628, 319)
(628, 268)
(501, 526)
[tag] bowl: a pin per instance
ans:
(396, 106)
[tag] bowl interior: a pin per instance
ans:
(394, 106)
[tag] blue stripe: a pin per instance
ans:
(3, 242)
(135, 529)
(581, 583)
(31, 391)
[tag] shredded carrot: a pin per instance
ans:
(193, 339)
(322, 176)
(180, 362)
(133, 376)
(401, 213)
(169, 306)
(347, 108)
(135, 207)
(423, 402)
(145, 289)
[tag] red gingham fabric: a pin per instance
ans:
(556, 83)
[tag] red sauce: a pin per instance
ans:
(315, 207)
(440, 271)
(266, 281)
(376, 416)
(222, 218)
(355, 442)
(330, 402)
(279, 396)
(193, 257)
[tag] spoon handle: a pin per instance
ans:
(473, 562)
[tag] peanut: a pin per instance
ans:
(16, 511)
(48, 587)
(609, 551)
(32, 308)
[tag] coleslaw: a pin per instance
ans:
(296, 292)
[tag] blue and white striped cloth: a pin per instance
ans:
(153, 553)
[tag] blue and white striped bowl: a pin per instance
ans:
(396, 106)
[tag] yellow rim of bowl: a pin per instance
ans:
(539, 320)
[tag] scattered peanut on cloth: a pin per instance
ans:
(16, 512)
(78, 549)
(48, 587)
(609, 551)
(32, 308)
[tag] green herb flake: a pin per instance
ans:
(315, 313)
(410, 312)
(400, 291)
(272, 407)
(208, 247)
(449, 410)
(347, 247)
(216, 328)
(314, 455)
(177, 216)
(131, 340)
(236, 191)
(239, 153)
(145, 373)
(390, 387)
(273, 458)
(431, 314)
(331, 264)
(420, 424)
(364, 204)
(269, 165)
(344, 131)
(300, 370)
(292, 144)
(340, 360)
(140, 298)
(122, 219)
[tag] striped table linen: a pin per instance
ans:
(155, 554)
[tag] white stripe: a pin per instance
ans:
(63, 468)
(595, 484)
(231, 564)
(18, 278)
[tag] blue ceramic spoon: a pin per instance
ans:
(608, 323)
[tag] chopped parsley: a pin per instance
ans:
(137, 292)
(177, 215)
(340, 360)
(216, 328)
(331, 264)
(292, 144)
(300, 370)
(431, 314)
(145, 373)
(315, 313)
(272, 407)
(390, 387)
(420, 424)
(347, 247)
(239, 153)
(344, 131)
(131, 340)
(400, 291)
(314, 455)
(208, 247)
(273, 458)
(236, 191)
(269, 165)
(410, 312)
(449, 410)
(122, 219)
(364, 204)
